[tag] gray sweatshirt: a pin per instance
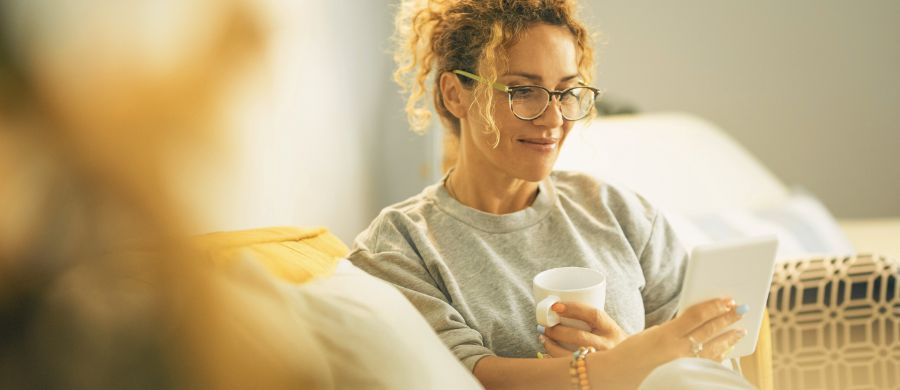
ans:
(469, 273)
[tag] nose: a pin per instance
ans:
(552, 116)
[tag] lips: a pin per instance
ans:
(539, 141)
(542, 145)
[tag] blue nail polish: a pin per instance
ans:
(540, 329)
(742, 309)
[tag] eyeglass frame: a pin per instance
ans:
(509, 90)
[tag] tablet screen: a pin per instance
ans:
(739, 269)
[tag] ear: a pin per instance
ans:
(456, 97)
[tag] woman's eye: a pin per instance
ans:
(523, 93)
(577, 92)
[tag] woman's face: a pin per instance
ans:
(544, 55)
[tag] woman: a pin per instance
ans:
(510, 78)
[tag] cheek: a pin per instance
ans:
(566, 129)
(567, 126)
(506, 121)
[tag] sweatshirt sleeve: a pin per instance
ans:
(663, 262)
(388, 255)
(661, 257)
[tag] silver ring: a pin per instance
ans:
(696, 346)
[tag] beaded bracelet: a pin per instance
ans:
(578, 370)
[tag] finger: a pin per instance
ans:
(697, 315)
(593, 316)
(553, 348)
(575, 336)
(718, 348)
(714, 326)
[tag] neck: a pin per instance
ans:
(490, 192)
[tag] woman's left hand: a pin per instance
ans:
(604, 334)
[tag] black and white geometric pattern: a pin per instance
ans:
(835, 323)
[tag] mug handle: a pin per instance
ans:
(545, 316)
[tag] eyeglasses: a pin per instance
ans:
(528, 102)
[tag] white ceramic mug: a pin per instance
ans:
(567, 284)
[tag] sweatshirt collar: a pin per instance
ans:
(497, 223)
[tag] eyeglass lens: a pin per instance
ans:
(530, 102)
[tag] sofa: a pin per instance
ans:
(834, 304)
(361, 324)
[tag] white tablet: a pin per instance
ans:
(739, 269)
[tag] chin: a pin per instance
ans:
(536, 175)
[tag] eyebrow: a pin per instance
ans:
(536, 78)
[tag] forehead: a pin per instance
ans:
(545, 50)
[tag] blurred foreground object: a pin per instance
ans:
(99, 100)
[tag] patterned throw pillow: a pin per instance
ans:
(835, 323)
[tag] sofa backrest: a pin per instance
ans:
(678, 161)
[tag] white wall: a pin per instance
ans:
(811, 87)
(306, 124)
(321, 136)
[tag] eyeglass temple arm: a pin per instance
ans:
(497, 86)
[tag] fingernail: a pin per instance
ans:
(542, 339)
(558, 307)
(743, 332)
(742, 309)
(540, 355)
(540, 329)
(729, 303)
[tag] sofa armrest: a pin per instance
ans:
(876, 235)
(293, 254)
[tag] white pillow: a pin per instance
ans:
(374, 338)
(349, 330)
(804, 227)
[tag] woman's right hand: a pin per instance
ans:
(604, 333)
(694, 333)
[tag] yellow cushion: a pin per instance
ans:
(290, 253)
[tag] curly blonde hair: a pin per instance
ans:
(436, 36)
